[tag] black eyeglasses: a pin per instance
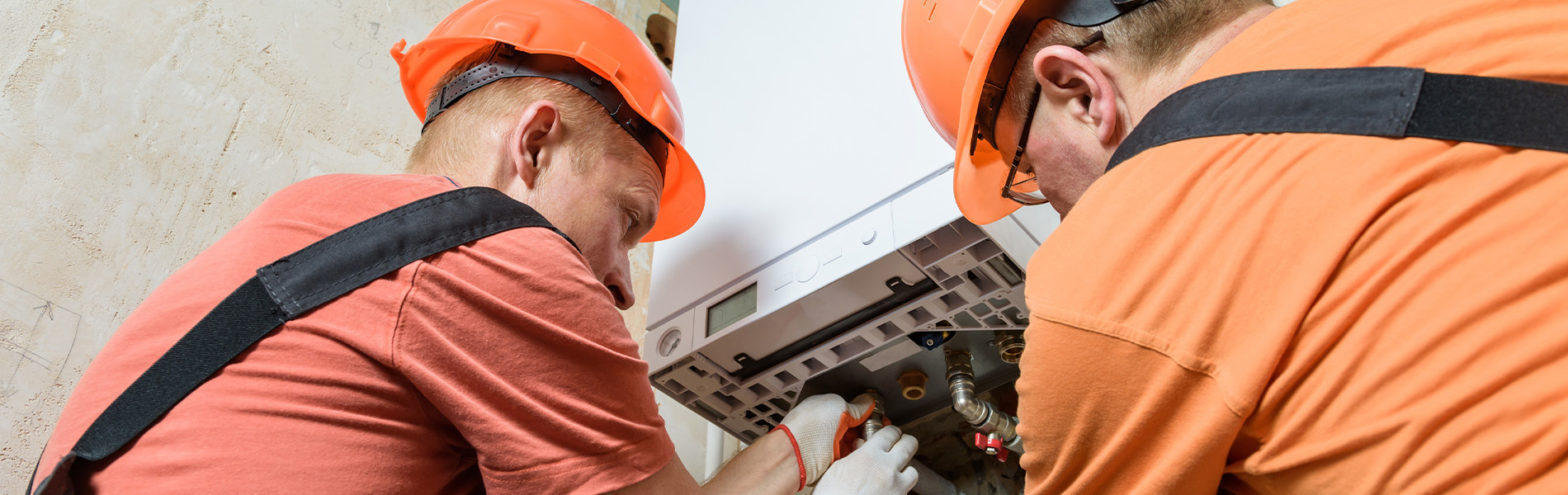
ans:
(1019, 190)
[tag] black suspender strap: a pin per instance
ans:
(287, 289)
(1393, 102)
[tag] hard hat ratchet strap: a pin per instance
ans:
(507, 62)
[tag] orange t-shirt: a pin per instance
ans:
(501, 363)
(1316, 313)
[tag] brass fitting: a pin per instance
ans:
(1010, 346)
(913, 384)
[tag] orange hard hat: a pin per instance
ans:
(960, 55)
(589, 38)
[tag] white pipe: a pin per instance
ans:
(713, 456)
(929, 482)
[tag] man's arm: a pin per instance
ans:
(878, 467)
(515, 343)
(783, 461)
(1104, 414)
(766, 467)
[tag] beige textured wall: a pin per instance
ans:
(133, 134)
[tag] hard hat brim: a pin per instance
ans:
(683, 198)
(979, 170)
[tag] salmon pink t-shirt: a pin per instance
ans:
(499, 365)
(1307, 313)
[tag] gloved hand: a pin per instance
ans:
(879, 466)
(816, 424)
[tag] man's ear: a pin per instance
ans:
(529, 144)
(1073, 84)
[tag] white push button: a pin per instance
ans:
(807, 269)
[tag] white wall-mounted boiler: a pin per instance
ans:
(831, 256)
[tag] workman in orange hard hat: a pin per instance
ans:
(454, 329)
(1319, 248)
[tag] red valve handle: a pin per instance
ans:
(993, 444)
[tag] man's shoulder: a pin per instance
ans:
(516, 265)
(357, 189)
(1478, 37)
(527, 280)
(525, 263)
(316, 207)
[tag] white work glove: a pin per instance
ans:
(817, 425)
(879, 466)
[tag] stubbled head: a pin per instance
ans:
(556, 149)
(1082, 114)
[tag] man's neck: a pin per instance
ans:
(1161, 83)
(460, 176)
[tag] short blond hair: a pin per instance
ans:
(446, 146)
(1155, 35)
